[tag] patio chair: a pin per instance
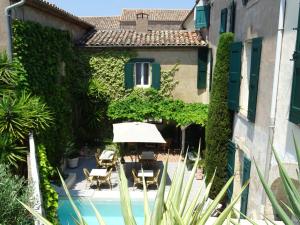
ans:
(106, 179)
(89, 179)
(98, 161)
(153, 180)
(136, 180)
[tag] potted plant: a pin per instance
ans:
(72, 155)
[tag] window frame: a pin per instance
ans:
(142, 85)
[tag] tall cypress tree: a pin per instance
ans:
(218, 129)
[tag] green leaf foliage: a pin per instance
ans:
(107, 73)
(218, 129)
(47, 56)
(21, 114)
(13, 188)
(50, 196)
(10, 153)
(142, 104)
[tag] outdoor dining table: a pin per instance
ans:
(98, 172)
(147, 173)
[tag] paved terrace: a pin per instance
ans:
(82, 189)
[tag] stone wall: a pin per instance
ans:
(252, 20)
(187, 58)
(46, 19)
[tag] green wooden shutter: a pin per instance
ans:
(246, 177)
(230, 166)
(223, 24)
(202, 67)
(295, 97)
(232, 17)
(235, 75)
(155, 75)
(129, 69)
(254, 77)
(202, 17)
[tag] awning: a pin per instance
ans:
(137, 132)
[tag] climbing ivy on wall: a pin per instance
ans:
(107, 73)
(47, 55)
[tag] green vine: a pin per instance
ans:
(47, 57)
(167, 81)
(50, 196)
(143, 104)
(107, 74)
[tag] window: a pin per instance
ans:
(223, 22)
(254, 77)
(142, 72)
(295, 96)
(202, 17)
(142, 77)
(234, 76)
(244, 92)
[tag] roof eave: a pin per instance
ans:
(55, 11)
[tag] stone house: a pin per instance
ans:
(155, 35)
(263, 89)
(159, 42)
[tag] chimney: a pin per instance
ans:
(141, 22)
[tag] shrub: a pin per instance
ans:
(12, 189)
(218, 130)
(50, 197)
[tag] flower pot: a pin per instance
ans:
(73, 163)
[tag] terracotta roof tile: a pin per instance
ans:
(129, 38)
(156, 14)
(104, 22)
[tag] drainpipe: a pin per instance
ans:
(274, 93)
(9, 28)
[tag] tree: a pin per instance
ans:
(20, 112)
(218, 129)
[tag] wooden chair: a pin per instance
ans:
(136, 180)
(106, 179)
(89, 179)
(98, 161)
(153, 180)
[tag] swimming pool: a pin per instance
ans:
(109, 210)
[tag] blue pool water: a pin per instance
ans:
(109, 210)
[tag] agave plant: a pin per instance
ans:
(169, 208)
(290, 190)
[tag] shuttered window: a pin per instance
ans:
(155, 75)
(254, 77)
(245, 178)
(129, 70)
(223, 23)
(202, 67)
(230, 167)
(234, 76)
(232, 17)
(202, 17)
(295, 97)
(142, 72)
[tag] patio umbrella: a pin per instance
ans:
(137, 132)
